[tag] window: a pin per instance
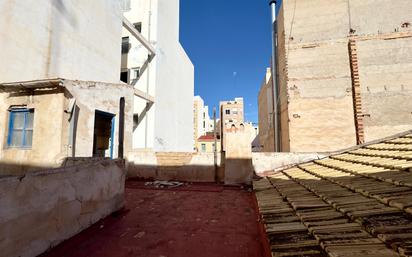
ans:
(227, 111)
(204, 124)
(203, 147)
(124, 76)
(126, 5)
(20, 128)
(138, 26)
(135, 73)
(125, 45)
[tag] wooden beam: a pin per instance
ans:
(129, 26)
(144, 95)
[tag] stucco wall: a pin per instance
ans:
(40, 210)
(193, 167)
(50, 39)
(169, 78)
(174, 85)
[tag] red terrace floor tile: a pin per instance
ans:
(194, 220)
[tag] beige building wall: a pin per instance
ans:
(232, 112)
(315, 73)
(208, 145)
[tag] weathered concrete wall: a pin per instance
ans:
(320, 98)
(40, 210)
(192, 167)
(313, 40)
(49, 125)
(54, 37)
(386, 86)
(266, 162)
(283, 86)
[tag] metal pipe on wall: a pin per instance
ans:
(272, 4)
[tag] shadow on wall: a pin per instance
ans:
(238, 171)
(187, 173)
(13, 169)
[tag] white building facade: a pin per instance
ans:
(166, 123)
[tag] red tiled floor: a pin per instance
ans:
(195, 221)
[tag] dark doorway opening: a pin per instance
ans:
(103, 134)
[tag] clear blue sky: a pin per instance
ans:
(229, 43)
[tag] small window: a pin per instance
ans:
(125, 45)
(204, 124)
(227, 112)
(124, 76)
(20, 128)
(138, 26)
(203, 147)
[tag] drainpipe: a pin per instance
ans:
(272, 4)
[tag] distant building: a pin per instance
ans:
(164, 85)
(201, 119)
(344, 74)
(231, 113)
(232, 120)
(206, 144)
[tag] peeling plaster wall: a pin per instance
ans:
(92, 96)
(318, 75)
(42, 209)
(52, 38)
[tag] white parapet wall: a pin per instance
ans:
(39, 210)
(268, 162)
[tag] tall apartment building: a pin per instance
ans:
(345, 72)
(201, 118)
(164, 84)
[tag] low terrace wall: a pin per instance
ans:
(190, 167)
(199, 167)
(41, 209)
(267, 162)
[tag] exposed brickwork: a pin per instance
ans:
(356, 93)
